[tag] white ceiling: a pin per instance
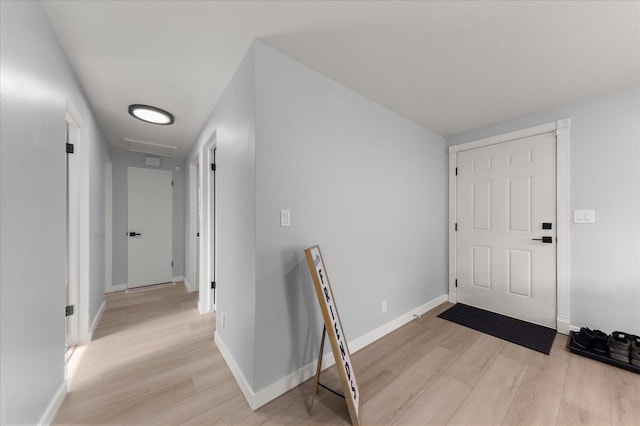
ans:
(449, 66)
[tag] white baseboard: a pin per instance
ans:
(116, 287)
(245, 387)
(54, 405)
(362, 341)
(563, 325)
(178, 279)
(89, 337)
(188, 286)
(280, 386)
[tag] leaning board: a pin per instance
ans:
(335, 332)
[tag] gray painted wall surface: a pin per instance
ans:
(366, 184)
(121, 161)
(233, 120)
(36, 78)
(605, 176)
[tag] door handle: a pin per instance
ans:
(544, 239)
(134, 234)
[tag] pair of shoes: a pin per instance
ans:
(593, 340)
(582, 339)
(620, 346)
(634, 350)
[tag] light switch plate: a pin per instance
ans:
(584, 216)
(285, 218)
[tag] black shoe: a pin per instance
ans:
(582, 339)
(619, 345)
(600, 344)
(634, 350)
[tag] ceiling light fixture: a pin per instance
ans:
(151, 114)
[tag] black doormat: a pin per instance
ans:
(532, 336)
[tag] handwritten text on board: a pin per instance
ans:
(335, 328)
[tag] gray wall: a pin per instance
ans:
(366, 184)
(36, 78)
(121, 161)
(605, 176)
(233, 120)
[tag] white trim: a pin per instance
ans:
(453, 163)
(291, 380)
(563, 217)
(117, 287)
(188, 286)
(563, 325)
(511, 136)
(73, 114)
(206, 223)
(191, 242)
(84, 234)
(245, 387)
(54, 405)
(370, 337)
(89, 336)
(561, 129)
(178, 278)
(108, 225)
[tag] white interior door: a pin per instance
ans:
(504, 195)
(150, 226)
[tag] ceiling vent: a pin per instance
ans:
(149, 148)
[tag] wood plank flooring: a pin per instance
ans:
(153, 361)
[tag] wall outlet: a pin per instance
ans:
(222, 320)
(384, 306)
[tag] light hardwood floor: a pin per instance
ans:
(153, 361)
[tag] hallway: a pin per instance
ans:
(151, 349)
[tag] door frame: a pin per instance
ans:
(79, 220)
(563, 216)
(108, 225)
(207, 223)
(73, 240)
(193, 229)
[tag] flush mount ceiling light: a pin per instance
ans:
(151, 114)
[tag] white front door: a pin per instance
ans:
(150, 226)
(505, 204)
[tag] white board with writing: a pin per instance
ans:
(334, 330)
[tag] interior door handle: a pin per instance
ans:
(134, 234)
(544, 239)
